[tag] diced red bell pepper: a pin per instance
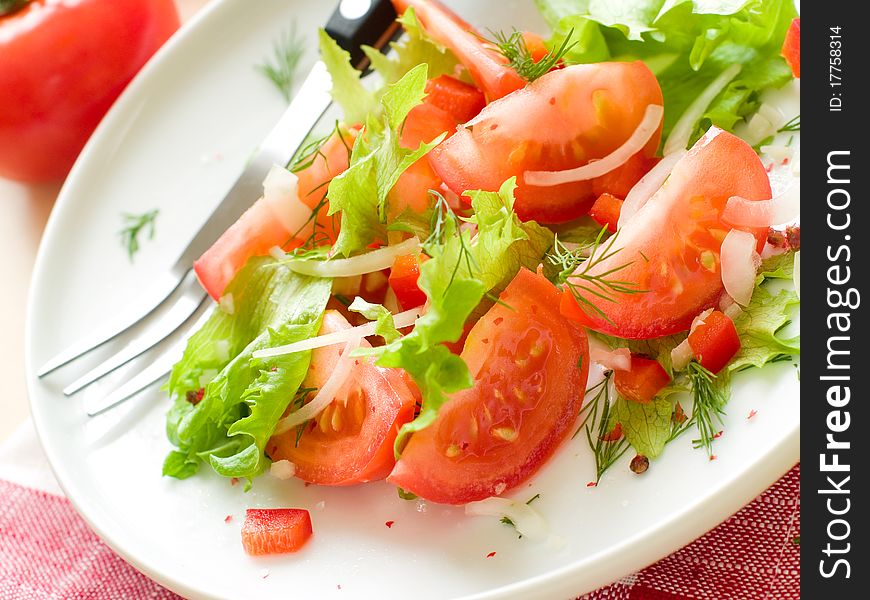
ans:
(461, 100)
(715, 341)
(403, 280)
(791, 47)
(642, 381)
(606, 211)
(275, 530)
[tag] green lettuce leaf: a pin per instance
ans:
(355, 100)
(687, 44)
(242, 399)
(761, 323)
(376, 163)
(647, 427)
(416, 47)
(456, 280)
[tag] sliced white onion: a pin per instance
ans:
(648, 185)
(739, 264)
(784, 208)
(797, 273)
(728, 307)
(614, 360)
(376, 260)
(404, 319)
(227, 304)
(772, 114)
(682, 355)
(635, 143)
(778, 152)
(527, 521)
(277, 253)
(282, 469)
(327, 391)
(281, 195)
(682, 131)
(733, 311)
(699, 320)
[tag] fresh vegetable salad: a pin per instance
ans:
(508, 241)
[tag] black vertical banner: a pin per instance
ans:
(835, 265)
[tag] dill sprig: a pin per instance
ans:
(576, 273)
(793, 125)
(710, 394)
(514, 48)
(133, 226)
(281, 67)
(595, 423)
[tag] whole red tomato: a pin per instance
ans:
(62, 64)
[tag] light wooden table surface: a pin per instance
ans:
(23, 212)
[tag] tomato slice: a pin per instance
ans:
(487, 68)
(403, 280)
(791, 47)
(530, 370)
(714, 342)
(620, 181)
(275, 530)
(351, 441)
(459, 99)
(606, 211)
(642, 381)
(258, 230)
(560, 121)
(669, 250)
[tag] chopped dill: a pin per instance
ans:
(281, 67)
(514, 48)
(133, 226)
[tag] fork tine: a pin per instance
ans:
(155, 296)
(150, 374)
(158, 330)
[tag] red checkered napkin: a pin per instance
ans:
(47, 551)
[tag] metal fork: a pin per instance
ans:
(353, 23)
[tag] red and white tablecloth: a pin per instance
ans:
(47, 550)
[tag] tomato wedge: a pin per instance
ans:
(351, 441)
(258, 230)
(275, 530)
(488, 68)
(714, 341)
(530, 370)
(669, 250)
(560, 121)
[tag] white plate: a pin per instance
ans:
(177, 138)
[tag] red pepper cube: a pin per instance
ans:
(606, 211)
(643, 381)
(275, 530)
(403, 280)
(459, 99)
(791, 47)
(715, 341)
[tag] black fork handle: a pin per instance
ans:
(355, 23)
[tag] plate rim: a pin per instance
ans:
(702, 515)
